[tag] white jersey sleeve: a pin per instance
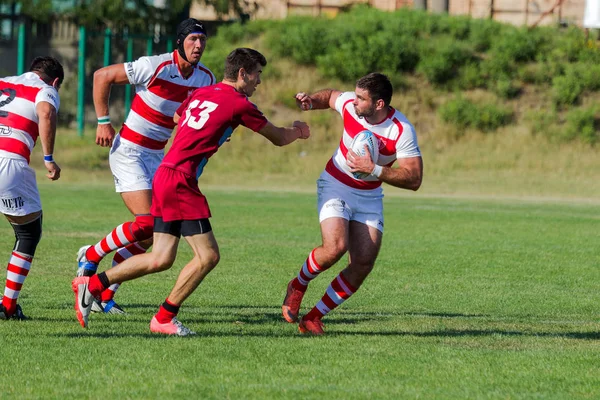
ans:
(407, 145)
(140, 72)
(343, 99)
(49, 95)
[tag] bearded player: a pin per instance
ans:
(351, 209)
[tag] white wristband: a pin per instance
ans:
(377, 170)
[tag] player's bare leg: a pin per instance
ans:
(87, 288)
(365, 242)
(206, 257)
(107, 302)
(138, 203)
(159, 259)
(335, 235)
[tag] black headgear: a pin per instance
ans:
(186, 27)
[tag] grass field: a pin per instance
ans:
(469, 299)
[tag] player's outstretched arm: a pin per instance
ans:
(47, 129)
(283, 136)
(104, 78)
(320, 100)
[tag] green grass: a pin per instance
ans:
(469, 299)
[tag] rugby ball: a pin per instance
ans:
(358, 146)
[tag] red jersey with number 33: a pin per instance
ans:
(207, 119)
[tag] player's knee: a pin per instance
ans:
(27, 236)
(361, 267)
(161, 262)
(208, 260)
(143, 227)
(335, 250)
(159, 265)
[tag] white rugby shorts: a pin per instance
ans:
(19, 193)
(334, 199)
(133, 167)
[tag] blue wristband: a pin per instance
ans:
(48, 158)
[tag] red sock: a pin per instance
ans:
(124, 234)
(167, 312)
(309, 271)
(121, 255)
(338, 291)
(95, 286)
(119, 237)
(18, 268)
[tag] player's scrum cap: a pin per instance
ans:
(189, 26)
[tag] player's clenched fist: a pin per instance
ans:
(303, 101)
(303, 128)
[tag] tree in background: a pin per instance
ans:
(133, 15)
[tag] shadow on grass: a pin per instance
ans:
(338, 333)
(475, 333)
(443, 315)
(233, 318)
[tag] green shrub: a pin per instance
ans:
(232, 33)
(496, 66)
(300, 38)
(583, 124)
(588, 74)
(466, 114)
(505, 88)
(470, 77)
(342, 63)
(442, 59)
(518, 45)
(536, 73)
(482, 33)
(566, 89)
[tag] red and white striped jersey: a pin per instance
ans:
(19, 95)
(396, 136)
(160, 89)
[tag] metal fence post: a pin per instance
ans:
(81, 83)
(128, 87)
(107, 36)
(21, 49)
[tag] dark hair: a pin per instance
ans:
(48, 68)
(242, 58)
(378, 85)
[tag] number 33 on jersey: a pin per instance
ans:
(213, 112)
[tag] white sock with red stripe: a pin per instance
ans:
(18, 268)
(309, 271)
(338, 291)
(121, 255)
(121, 236)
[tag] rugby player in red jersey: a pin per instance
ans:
(162, 83)
(206, 120)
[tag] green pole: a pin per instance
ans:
(21, 49)
(81, 83)
(128, 87)
(169, 45)
(149, 43)
(107, 35)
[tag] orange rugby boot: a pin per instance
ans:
(291, 303)
(311, 326)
